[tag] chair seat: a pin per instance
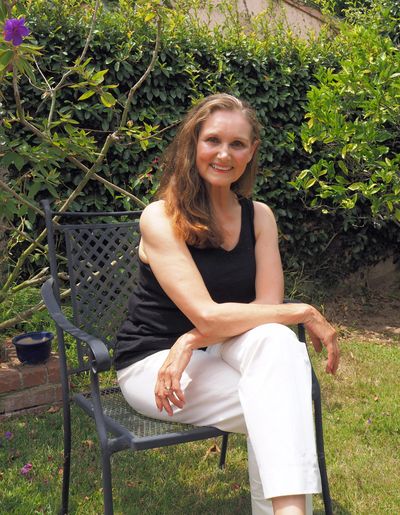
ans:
(139, 431)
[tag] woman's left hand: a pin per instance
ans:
(168, 389)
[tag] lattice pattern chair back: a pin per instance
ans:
(102, 264)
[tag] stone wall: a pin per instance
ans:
(302, 20)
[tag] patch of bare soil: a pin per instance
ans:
(368, 310)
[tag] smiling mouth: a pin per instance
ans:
(221, 168)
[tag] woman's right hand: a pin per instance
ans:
(168, 388)
(323, 334)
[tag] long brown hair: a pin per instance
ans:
(181, 187)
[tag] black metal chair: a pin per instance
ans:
(101, 260)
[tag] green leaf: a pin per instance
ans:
(3, 10)
(33, 189)
(79, 84)
(5, 58)
(310, 183)
(107, 99)
(53, 191)
(149, 17)
(99, 76)
(31, 49)
(144, 143)
(302, 175)
(83, 65)
(25, 68)
(87, 94)
(343, 167)
(355, 186)
(12, 158)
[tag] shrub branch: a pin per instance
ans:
(89, 172)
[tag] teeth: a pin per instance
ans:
(222, 168)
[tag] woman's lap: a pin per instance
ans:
(210, 386)
(210, 381)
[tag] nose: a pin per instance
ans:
(223, 152)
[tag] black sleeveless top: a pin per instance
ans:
(154, 322)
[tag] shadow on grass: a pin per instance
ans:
(337, 508)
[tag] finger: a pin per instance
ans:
(333, 358)
(158, 394)
(171, 390)
(180, 394)
(167, 406)
(162, 400)
(175, 400)
(317, 343)
(167, 389)
(176, 386)
(167, 396)
(335, 364)
(159, 403)
(175, 395)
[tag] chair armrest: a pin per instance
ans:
(101, 360)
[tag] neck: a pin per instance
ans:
(222, 200)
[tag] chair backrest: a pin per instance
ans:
(101, 264)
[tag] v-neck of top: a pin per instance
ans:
(240, 232)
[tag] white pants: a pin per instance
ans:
(259, 384)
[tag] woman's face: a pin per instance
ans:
(224, 148)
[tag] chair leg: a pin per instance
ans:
(107, 482)
(320, 446)
(67, 457)
(223, 452)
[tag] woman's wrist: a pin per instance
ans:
(310, 314)
(188, 341)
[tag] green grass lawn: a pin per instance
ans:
(362, 442)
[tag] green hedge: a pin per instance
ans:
(273, 74)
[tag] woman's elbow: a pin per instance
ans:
(207, 322)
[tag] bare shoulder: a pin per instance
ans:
(153, 210)
(263, 210)
(156, 228)
(154, 218)
(264, 219)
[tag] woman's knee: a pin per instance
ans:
(267, 343)
(273, 331)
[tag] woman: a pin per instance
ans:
(211, 276)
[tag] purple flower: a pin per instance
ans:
(15, 30)
(8, 435)
(26, 469)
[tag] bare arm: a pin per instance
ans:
(175, 270)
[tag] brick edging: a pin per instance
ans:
(27, 386)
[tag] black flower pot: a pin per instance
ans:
(33, 348)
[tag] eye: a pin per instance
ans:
(237, 144)
(212, 139)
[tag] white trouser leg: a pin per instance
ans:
(260, 505)
(240, 386)
(275, 393)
